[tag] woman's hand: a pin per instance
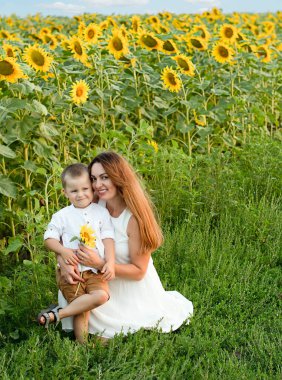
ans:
(90, 257)
(69, 272)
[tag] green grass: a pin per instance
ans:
(224, 255)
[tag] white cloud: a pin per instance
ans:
(116, 3)
(65, 7)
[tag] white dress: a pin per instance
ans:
(135, 304)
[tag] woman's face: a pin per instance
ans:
(101, 183)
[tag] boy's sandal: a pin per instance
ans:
(45, 313)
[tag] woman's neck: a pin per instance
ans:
(116, 206)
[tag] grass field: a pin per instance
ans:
(222, 251)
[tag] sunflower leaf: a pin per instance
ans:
(7, 152)
(7, 187)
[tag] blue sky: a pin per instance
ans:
(73, 7)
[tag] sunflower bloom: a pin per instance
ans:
(79, 92)
(49, 39)
(263, 53)
(37, 58)
(81, 28)
(87, 236)
(135, 24)
(77, 47)
(154, 145)
(222, 53)
(185, 65)
(149, 41)
(10, 70)
(5, 34)
(171, 79)
(127, 62)
(228, 33)
(200, 119)
(202, 30)
(9, 50)
(169, 47)
(197, 43)
(118, 45)
(92, 33)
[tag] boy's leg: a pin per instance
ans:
(80, 326)
(84, 303)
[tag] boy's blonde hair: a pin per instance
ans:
(73, 170)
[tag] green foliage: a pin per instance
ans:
(222, 250)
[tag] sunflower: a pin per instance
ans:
(87, 236)
(118, 45)
(135, 24)
(10, 50)
(123, 31)
(171, 79)
(222, 53)
(79, 92)
(268, 26)
(263, 53)
(165, 15)
(127, 62)
(197, 43)
(153, 20)
(92, 33)
(77, 47)
(200, 119)
(10, 70)
(64, 42)
(228, 33)
(201, 31)
(81, 28)
(5, 34)
(104, 25)
(185, 65)
(169, 47)
(163, 29)
(37, 57)
(153, 144)
(149, 41)
(49, 39)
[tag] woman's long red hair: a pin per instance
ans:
(135, 197)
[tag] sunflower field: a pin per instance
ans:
(194, 102)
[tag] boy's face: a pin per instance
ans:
(79, 190)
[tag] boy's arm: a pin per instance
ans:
(108, 269)
(67, 254)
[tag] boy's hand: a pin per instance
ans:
(70, 257)
(108, 271)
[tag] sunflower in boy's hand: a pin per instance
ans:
(86, 237)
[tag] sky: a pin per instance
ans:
(108, 7)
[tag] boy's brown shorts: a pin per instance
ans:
(93, 281)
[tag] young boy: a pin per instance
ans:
(60, 236)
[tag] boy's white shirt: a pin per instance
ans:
(66, 223)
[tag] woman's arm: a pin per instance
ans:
(108, 269)
(137, 269)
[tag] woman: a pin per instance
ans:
(138, 299)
